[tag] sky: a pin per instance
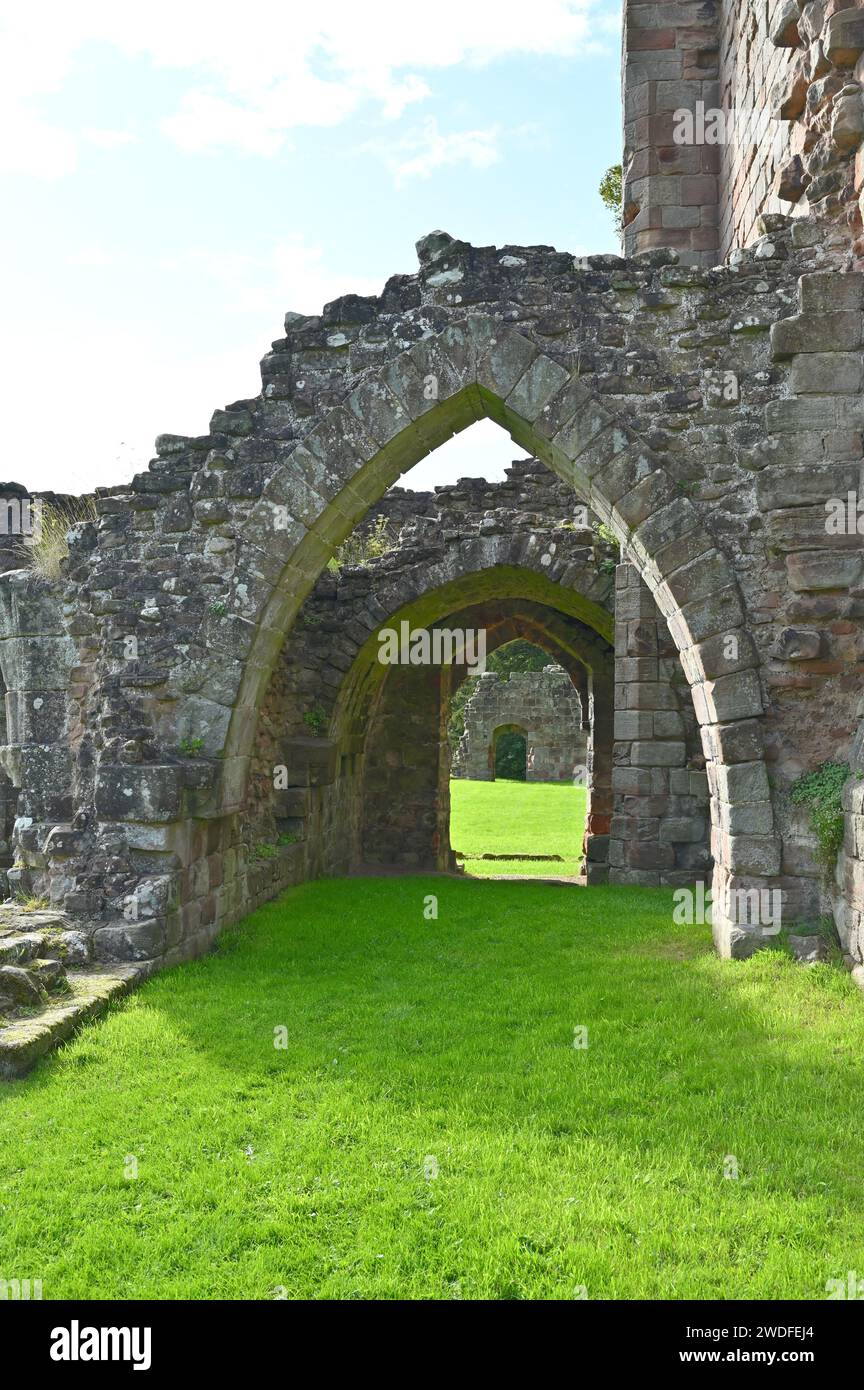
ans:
(175, 176)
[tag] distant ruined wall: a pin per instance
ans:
(547, 709)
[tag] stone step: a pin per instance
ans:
(16, 948)
(14, 917)
(25, 983)
(19, 989)
(50, 973)
(90, 991)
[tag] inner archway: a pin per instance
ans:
(382, 794)
(519, 736)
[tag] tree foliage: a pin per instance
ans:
(612, 194)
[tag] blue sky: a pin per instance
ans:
(175, 177)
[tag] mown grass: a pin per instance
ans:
(518, 818)
(417, 1047)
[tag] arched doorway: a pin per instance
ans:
(483, 368)
(316, 490)
(509, 753)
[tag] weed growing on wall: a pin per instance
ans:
(820, 791)
(315, 721)
(45, 552)
(363, 546)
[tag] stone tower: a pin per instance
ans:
(735, 111)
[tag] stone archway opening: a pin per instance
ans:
(526, 722)
(378, 794)
(482, 368)
(350, 401)
(405, 718)
(522, 685)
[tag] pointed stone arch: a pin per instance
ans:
(530, 587)
(173, 604)
(584, 654)
(481, 368)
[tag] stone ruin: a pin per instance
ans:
(543, 707)
(195, 715)
(734, 111)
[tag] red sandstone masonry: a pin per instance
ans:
(668, 188)
(781, 90)
(750, 67)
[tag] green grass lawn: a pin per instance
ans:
(430, 1130)
(520, 817)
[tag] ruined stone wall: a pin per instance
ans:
(774, 93)
(704, 415)
(848, 894)
(404, 773)
(547, 710)
(756, 61)
(792, 73)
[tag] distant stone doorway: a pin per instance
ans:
(543, 707)
(509, 753)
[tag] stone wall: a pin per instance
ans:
(660, 825)
(774, 93)
(704, 415)
(848, 896)
(671, 192)
(753, 67)
(544, 706)
(794, 71)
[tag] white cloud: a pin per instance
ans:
(146, 383)
(31, 146)
(425, 149)
(160, 377)
(91, 256)
(292, 275)
(205, 122)
(275, 68)
(33, 63)
(109, 139)
(402, 94)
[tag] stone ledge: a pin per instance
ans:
(25, 1040)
